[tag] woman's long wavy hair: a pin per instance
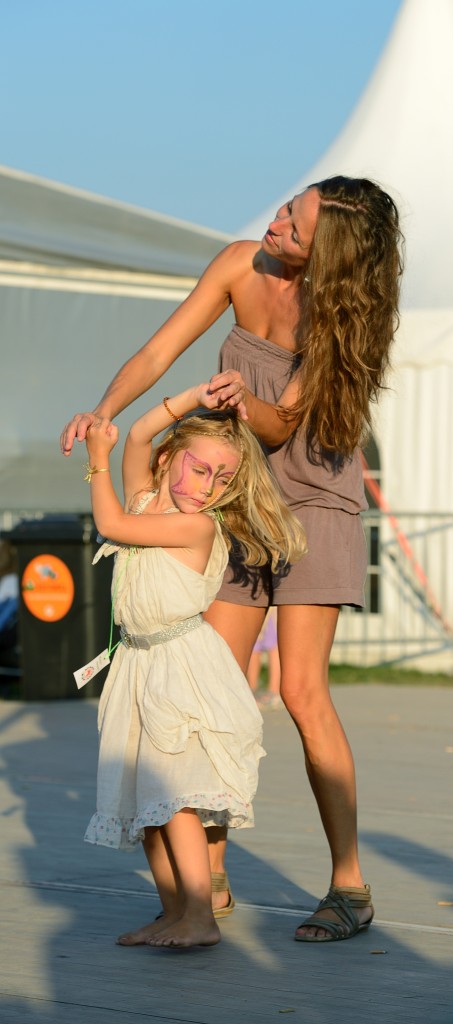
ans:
(250, 506)
(349, 312)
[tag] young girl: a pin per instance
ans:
(180, 734)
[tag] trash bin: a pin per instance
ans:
(65, 604)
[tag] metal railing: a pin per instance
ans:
(409, 595)
(409, 592)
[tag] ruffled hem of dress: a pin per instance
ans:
(126, 833)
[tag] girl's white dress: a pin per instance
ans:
(178, 724)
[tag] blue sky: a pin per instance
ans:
(206, 110)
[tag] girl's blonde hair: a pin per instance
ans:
(251, 508)
(349, 312)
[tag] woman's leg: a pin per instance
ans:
(239, 626)
(163, 869)
(189, 850)
(305, 636)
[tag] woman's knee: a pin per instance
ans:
(306, 696)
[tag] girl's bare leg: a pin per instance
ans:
(239, 627)
(305, 636)
(196, 925)
(163, 868)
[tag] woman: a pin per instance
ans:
(316, 309)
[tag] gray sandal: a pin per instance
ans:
(344, 901)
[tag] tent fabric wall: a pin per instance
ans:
(414, 418)
(84, 282)
(62, 349)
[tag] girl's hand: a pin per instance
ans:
(229, 391)
(205, 397)
(101, 437)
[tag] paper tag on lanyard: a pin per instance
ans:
(87, 672)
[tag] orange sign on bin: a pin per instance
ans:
(47, 588)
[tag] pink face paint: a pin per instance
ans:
(192, 481)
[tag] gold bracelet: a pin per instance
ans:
(90, 470)
(175, 418)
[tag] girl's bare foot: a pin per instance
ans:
(190, 930)
(140, 936)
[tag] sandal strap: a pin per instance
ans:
(333, 927)
(343, 909)
(219, 881)
(356, 897)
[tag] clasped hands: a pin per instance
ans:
(101, 436)
(229, 391)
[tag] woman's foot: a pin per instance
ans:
(348, 911)
(191, 930)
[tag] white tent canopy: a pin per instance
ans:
(400, 135)
(44, 221)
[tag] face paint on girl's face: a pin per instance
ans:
(199, 475)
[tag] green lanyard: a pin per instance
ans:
(133, 551)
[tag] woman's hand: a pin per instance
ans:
(101, 437)
(76, 430)
(227, 390)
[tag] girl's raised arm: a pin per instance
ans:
(112, 521)
(138, 448)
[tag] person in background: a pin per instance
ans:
(265, 652)
(9, 604)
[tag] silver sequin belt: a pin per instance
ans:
(146, 641)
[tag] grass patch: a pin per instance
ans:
(383, 674)
(386, 674)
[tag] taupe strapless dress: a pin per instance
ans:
(327, 498)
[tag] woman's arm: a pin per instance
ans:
(209, 299)
(266, 419)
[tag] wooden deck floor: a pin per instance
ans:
(63, 901)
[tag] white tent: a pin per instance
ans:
(84, 281)
(400, 135)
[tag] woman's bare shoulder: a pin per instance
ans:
(237, 259)
(240, 253)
